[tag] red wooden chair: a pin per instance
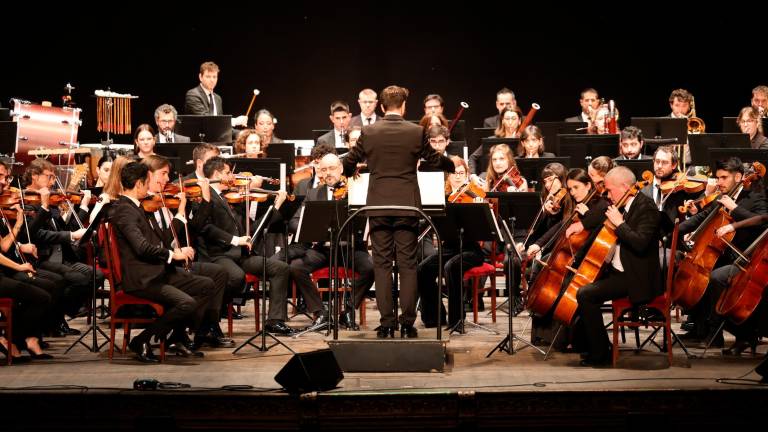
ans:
(325, 274)
(6, 314)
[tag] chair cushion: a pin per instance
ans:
(482, 270)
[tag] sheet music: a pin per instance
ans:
(262, 224)
(301, 222)
(431, 187)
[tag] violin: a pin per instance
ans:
(340, 189)
(466, 193)
(254, 195)
(244, 180)
(700, 203)
(153, 203)
(690, 184)
(56, 198)
(512, 175)
(557, 198)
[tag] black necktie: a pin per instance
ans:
(210, 103)
(368, 120)
(657, 198)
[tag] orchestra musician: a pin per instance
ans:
(144, 141)
(633, 270)
(760, 100)
(304, 259)
(264, 122)
(340, 119)
(589, 101)
(750, 123)
(532, 144)
(680, 103)
(224, 241)
(165, 119)
(501, 162)
(367, 101)
(434, 104)
(392, 148)
(747, 203)
(174, 230)
(597, 170)
(505, 98)
(201, 100)
(148, 268)
(631, 144)
(248, 143)
(509, 123)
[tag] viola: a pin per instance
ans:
(153, 203)
(303, 169)
(700, 203)
(690, 184)
(55, 199)
(692, 276)
(557, 198)
(254, 195)
(591, 266)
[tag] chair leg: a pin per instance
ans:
(616, 325)
(229, 320)
(126, 337)
(111, 338)
(493, 299)
(362, 313)
(668, 337)
(475, 283)
(637, 336)
(293, 297)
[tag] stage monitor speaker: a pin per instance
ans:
(310, 371)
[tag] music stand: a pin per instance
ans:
(90, 236)
(662, 127)
(467, 222)
(265, 167)
(701, 143)
(531, 168)
(456, 148)
(263, 333)
(730, 125)
(550, 130)
(286, 152)
(205, 128)
(747, 156)
(638, 166)
(178, 154)
(322, 221)
(586, 147)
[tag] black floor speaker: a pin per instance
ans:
(310, 371)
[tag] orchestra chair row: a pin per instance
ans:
(324, 274)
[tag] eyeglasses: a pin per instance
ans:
(747, 121)
(437, 140)
(460, 173)
(167, 121)
(327, 169)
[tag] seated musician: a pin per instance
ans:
(55, 238)
(750, 123)
(499, 176)
(223, 240)
(631, 144)
(148, 269)
(200, 155)
(554, 179)
(509, 123)
(248, 144)
(307, 258)
(340, 118)
(429, 120)
(173, 232)
(597, 170)
(144, 141)
(438, 138)
(599, 124)
(427, 270)
(314, 180)
(633, 269)
(747, 203)
(532, 144)
(264, 123)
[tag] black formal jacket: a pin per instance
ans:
(639, 240)
(196, 220)
(144, 261)
(55, 233)
(392, 147)
(196, 102)
(749, 203)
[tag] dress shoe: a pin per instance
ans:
(321, 318)
(143, 352)
(279, 328)
(590, 362)
(691, 336)
(68, 331)
(408, 331)
(16, 359)
(740, 345)
(688, 326)
(384, 332)
(182, 350)
(346, 321)
(41, 356)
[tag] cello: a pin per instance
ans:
(592, 264)
(745, 290)
(692, 276)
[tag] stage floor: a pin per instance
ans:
(467, 366)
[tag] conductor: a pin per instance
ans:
(392, 148)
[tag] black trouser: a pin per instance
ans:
(78, 278)
(184, 297)
(454, 265)
(30, 305)
(52, 283)
(395, 236)
(591, 297)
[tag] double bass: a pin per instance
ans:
(592, 264)
(693, 272)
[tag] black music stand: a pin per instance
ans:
(638, 166)
(178, 154)
(662, 127)
(550, 130)
(90, 236)
(286, 152)
(319, 222)
(506, 344)
(747, 156)
(586, 147)
(730, 125)
(470, 222)
(205, 128)
(265, 167)
(456, 148)
(701, 143)
(531, 168)
(263, 333)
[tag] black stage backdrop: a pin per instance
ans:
(303, 59)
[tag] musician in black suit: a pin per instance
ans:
(340, 119)
(304, 185)
(631, 144)
(148, 269)
(634, 267)
(505, 98)
(316, 256)
(589, 102)
(201, 100)
(165, 118)
(367, 100)
(225, 241)
(392, 148)
(747, 203)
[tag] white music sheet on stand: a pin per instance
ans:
(431, 187)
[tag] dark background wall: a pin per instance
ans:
(303, 59)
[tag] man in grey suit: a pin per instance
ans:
(367, 100)
(505, 98)
(589, 102)
(340, 118)
(165, 118)
(392, 147)
(201, 100)
(631, 144)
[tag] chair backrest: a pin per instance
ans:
(671, 263)
(112, 253)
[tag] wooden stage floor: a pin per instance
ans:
(524, 376)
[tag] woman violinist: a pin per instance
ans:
(502, 174)
(741, 204)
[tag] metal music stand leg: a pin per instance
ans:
(94, 327)
(263, 333)
(461, 325)
(328, 326)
